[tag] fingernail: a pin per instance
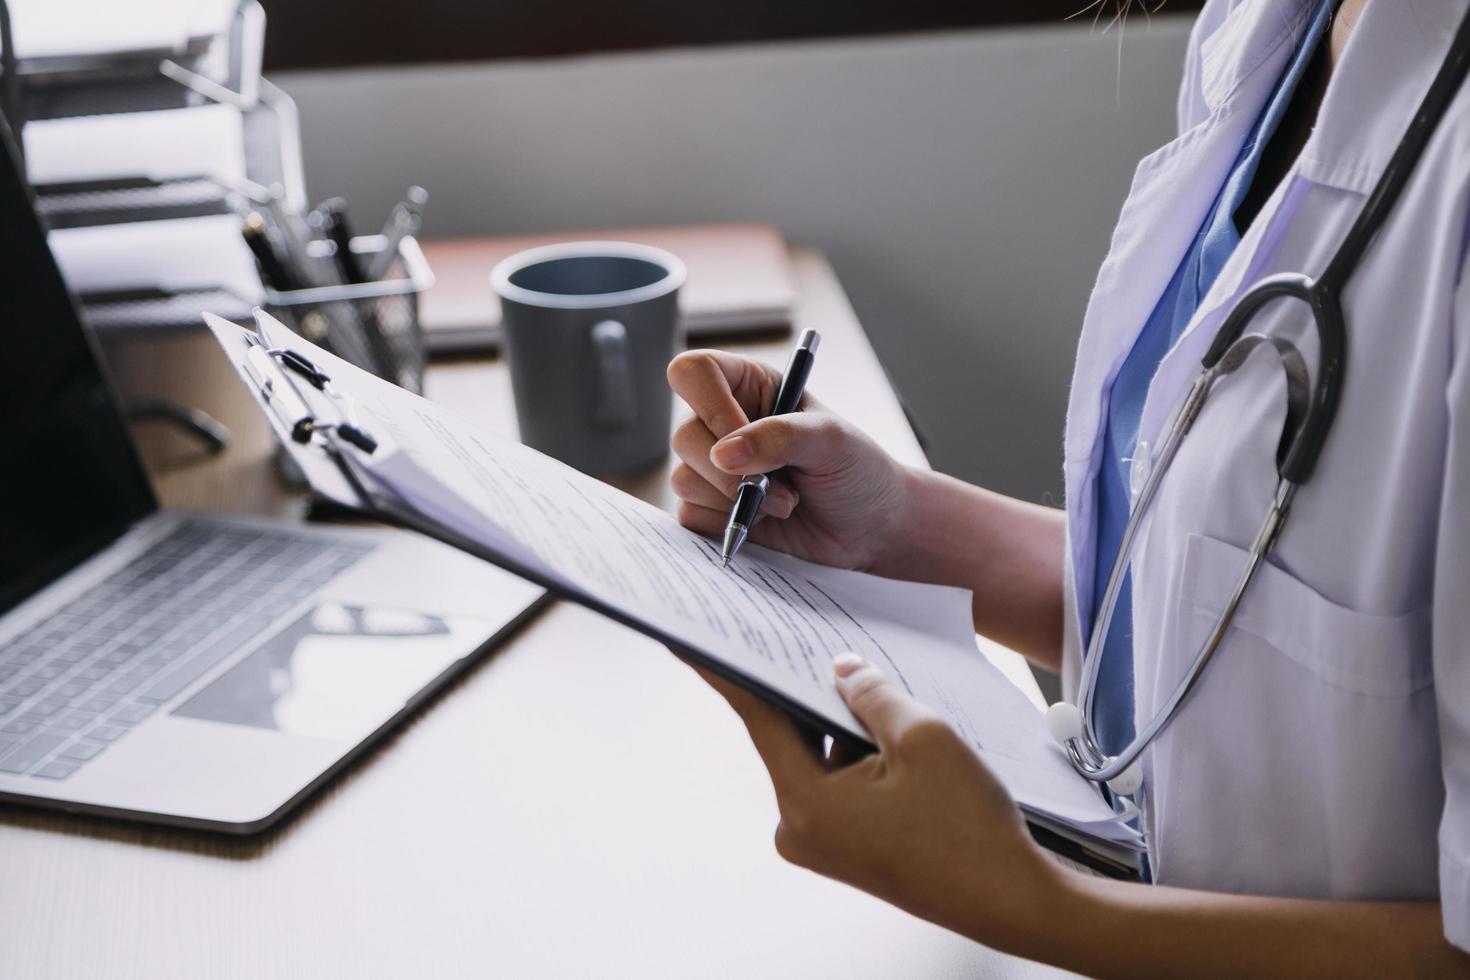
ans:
(732, 452)
(846, 664)
(783, 501)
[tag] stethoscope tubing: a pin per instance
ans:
(1303, 448)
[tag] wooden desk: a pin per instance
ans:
(580, 806)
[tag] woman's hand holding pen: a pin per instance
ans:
(840, 500)
(854, 499)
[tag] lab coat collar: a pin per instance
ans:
(1251, 33)
(1393, 53)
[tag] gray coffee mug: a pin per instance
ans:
(590, 328)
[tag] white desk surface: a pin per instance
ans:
(581, 805)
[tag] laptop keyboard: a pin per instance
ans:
(79, 680)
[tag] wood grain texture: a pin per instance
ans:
(580, 806)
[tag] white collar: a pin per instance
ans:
(1394, 51)
(1393, 54)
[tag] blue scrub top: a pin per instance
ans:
(1207, 255)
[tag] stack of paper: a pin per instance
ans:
(48, 29)
(772, 621)
(167, 144)
(170, 256)
(148, 136)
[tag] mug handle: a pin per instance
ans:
(617, 405)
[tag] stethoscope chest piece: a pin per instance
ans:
(1064, 723)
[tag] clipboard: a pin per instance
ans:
(320, 428)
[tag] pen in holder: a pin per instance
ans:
(374, 325)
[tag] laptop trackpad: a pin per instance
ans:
(339, 671)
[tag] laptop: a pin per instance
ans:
(189, 669)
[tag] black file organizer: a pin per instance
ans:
(86, 85)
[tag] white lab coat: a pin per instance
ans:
(1327, 751)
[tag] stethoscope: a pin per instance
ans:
(1309, 416)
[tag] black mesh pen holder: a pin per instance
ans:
(374, 325)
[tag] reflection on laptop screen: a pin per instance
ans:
(70, 478)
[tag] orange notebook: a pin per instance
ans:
(740, 281)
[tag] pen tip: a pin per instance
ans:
(734, 538)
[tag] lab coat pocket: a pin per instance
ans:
(1305, 745)
(1380, 656)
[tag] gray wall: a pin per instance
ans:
(964, 184)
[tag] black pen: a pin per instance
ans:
(752, 490)
(330, 219)
(273, 271)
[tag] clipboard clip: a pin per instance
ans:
(271, 370)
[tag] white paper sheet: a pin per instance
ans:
(90, 28)
(204, 141)
(171, 255)
(774, 618)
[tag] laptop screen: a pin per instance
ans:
(70, 479)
